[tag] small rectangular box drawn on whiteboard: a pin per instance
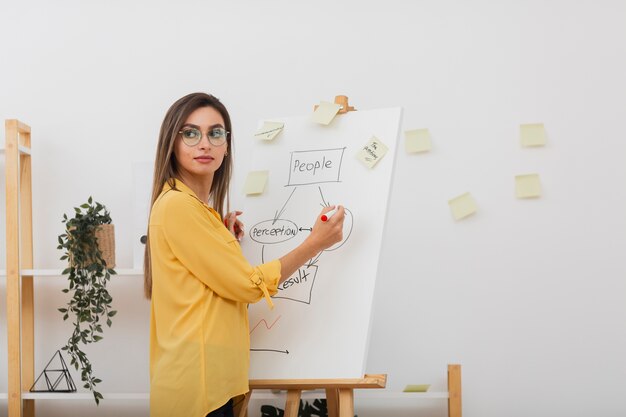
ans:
(315, 166)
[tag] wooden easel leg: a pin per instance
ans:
(454, 391)
(332, 402)
(240, 406)
(346, 402)
(293, 403)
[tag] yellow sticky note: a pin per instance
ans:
(416, 388)
(326, 112)
(462, 206)
(372, 152)
(533, 134)
(527, 186)
(255, 182)
(417, 140)
(269, 130)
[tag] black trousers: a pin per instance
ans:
(224, 411)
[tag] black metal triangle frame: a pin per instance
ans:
(52, 382)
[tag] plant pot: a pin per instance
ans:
(105, 234)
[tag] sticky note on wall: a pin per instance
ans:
(416, 388)
(417, 140)
(462, 206)
(527, 186)
(372, 152)
(326, 112)
(533, 134)
(255, 182)
(269, 130)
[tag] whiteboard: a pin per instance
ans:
(320, 324)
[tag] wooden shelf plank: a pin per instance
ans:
(64, 396)
(256, 395)
(57, 272)
(23, 150)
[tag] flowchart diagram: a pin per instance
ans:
(309, 171)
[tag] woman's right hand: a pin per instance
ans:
(327, 233)
(323, 235)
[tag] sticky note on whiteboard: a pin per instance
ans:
(255, 182)
(533, 134)
(417, 140)
(326, 112)
(372, 152)
(527, 186)
(269, 130)
(462, 206)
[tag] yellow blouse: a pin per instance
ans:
(201, 287)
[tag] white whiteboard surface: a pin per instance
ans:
(320, 324)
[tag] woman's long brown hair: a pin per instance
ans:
(166, 170)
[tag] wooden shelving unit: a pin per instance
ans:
(19, 252)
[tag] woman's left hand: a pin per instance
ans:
(233, 224)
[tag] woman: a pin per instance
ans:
(196, 276)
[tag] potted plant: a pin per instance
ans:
(87, 244)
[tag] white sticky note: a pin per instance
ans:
(527, 186)
(417, 140)
(269, 130)
(326, 112)
(372, 152)
(462, 206)
(255, 182)
(533, 134)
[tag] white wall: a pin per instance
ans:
(529, 296)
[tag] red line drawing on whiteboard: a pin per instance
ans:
(266, 325)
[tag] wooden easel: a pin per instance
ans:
(339, 393)
(343, 102)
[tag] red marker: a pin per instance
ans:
(328, 215)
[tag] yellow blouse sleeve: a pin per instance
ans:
(213, 255)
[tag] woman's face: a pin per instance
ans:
(200, 161)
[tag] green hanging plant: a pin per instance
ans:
(88, 275)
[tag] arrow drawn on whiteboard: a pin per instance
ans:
(278, 213)
(313, 261)
(262, 253)
(270, 350)
(324, 203)
(310, 229)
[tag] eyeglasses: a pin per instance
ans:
(192, 136)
